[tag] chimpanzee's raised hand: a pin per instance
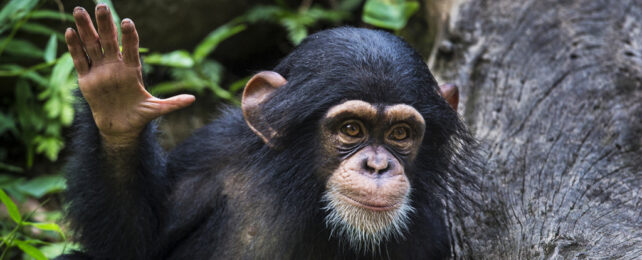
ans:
(111, 81)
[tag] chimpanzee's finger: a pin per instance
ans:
(88, 34)
(130, 42)
(174, 103)
(107, 31)
(77, 53)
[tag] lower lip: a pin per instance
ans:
(370, 207)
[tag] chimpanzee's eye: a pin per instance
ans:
(399, 133)
(352, 129)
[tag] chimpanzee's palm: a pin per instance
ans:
(112, 82)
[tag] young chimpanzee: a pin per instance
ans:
(346, 150)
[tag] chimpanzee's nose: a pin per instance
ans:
(376, 163)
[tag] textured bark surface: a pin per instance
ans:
(553, 90)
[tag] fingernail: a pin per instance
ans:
(101, 7)
(78, 9)
(127, 20)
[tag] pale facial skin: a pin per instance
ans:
(368, 194)
(111, 80)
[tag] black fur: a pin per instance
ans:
(224, 194)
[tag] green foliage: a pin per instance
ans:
(297, 22)
(214, 39)
(11, 207)
(14, 12)
(389, 14)
(43, 98)
(194, 71)
(17, 236)
(49, 241)
(41, 107)
(22, 188)
(176, 59)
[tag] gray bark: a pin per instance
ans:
(553, 90)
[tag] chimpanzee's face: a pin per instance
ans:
(369, 147)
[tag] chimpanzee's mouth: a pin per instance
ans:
(370, 205)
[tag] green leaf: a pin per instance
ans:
(48, 227)
(11, 207)
(45, 226)
(389, 14)
(140, 49)
(349, 5)
(30, 250)
(239, 84)
(22, 48)
(53, 107)
(13, 11)
(6, 123)
(264, 13)
(296, 30)
(56, 249)
(177, 59)
(7, 180)
(41, 29)
(212, 70)
(50, 50)
(30, 117)
(410, 9)
(35, 77)
(318, 13)
(10, 168)
(166, 88)
(50, 146)
(43, 185)
(13, 68)
(61, 71)
(212, 40)
(50, 14)
(10, 183)
(188, 76)
(67, 115)
(53, 129)
(220, 92)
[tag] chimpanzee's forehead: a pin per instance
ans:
(380, 89)
(373, 111)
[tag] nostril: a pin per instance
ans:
(366, 166)
(385, 169)
(376, 165)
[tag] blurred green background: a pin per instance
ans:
(206, 48)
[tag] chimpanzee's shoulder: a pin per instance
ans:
(213, 144)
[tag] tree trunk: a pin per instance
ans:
(553, 91)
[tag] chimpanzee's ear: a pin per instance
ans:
(451, 94)
(257, 90)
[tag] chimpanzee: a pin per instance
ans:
(348, 149)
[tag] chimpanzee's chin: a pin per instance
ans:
(362, 228)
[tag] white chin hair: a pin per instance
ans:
(364, 229)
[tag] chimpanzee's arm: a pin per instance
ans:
(116, 184)
(115, 194)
